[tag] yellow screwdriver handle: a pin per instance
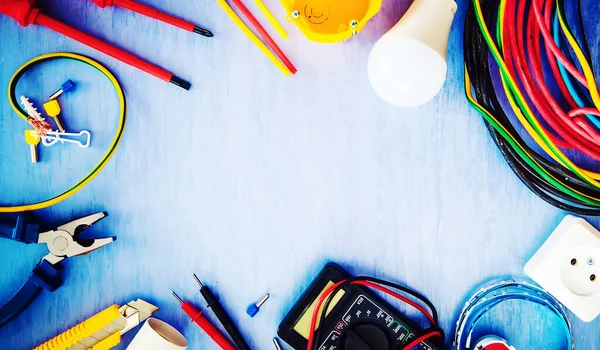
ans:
(82, 330)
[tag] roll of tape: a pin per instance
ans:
(158, 335)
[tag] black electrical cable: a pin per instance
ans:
(415, 294)
(476, 52)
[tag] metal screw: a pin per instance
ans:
(590, 261)
(296, 14)
(353, 23)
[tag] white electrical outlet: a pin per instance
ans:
(568, 267)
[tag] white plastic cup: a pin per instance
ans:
(158, 335)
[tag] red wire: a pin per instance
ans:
(583, 111)
(418, 340)
(328, 291)
(313, 321)
(577, 133)
(556, 72)
(256, 24)
(398, 296)
(581, 128)
(514, 59)
(554, 48)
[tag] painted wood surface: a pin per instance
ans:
(253, 181)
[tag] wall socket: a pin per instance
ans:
(568, 267)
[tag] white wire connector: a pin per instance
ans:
(30, 109)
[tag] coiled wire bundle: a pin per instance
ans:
(541, 75)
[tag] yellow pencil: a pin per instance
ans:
(255, 40)
(263, 8)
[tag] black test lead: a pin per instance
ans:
(222, 316)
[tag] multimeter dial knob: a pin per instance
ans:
(366, 336)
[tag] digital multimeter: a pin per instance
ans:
(357, 319)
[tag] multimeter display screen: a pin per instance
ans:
(303, 325)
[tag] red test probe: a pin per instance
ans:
(154, 13)
(204, 324)
(26, 13)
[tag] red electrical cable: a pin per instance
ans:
(313, 321)
(328, 291)
(577, 133)
(588, 135)
(554, 48)
(510, 60)
(400, 297)
(265, 35)
(514, 60)
(556, 72)
(583, 111)
(418, 340)
(580, 130)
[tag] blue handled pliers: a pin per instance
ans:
(62, 243)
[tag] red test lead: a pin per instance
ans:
(204, 324)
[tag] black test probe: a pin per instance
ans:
(215, 305)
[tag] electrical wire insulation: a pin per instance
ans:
(14, 102)
(556, 107)
(325, 299)
(494, 295)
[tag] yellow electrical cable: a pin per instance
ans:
(109, 153)
(253, 38)
(512, 139)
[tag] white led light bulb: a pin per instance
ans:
(407, 66)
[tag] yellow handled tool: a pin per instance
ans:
(82, 330)
(102, 331)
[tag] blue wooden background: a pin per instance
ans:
(254, 181)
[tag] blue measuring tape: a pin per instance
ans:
(492, 295)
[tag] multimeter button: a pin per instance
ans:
(366, 337)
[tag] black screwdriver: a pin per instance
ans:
(215, 305)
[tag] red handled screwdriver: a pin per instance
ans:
(204, 324)
(27, 13)
(156, 14)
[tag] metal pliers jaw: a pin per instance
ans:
(63, 243)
